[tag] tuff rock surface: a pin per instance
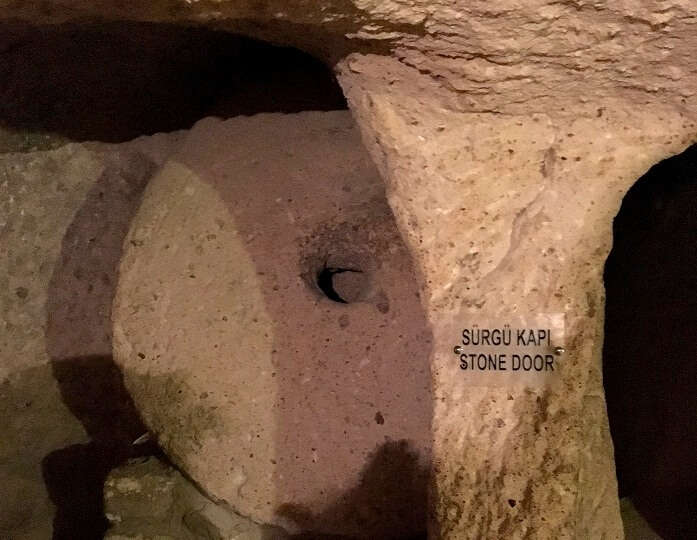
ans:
(506, 136)
(64, 417)
(147, 499)
(306, 408)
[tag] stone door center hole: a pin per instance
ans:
(342, 285)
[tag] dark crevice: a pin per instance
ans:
(650, 349)
(325, 281)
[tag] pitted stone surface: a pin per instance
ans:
(506, 135)
(295, 409)
(516, 221)
(145, 499)
(63, 216)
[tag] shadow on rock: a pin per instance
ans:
(78, 339)
(392, 495)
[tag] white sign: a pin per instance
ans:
(528, 351)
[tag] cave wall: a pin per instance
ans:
(507, 136)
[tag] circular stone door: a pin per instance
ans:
(269, 327)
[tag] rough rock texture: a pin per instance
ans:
(147, 499)
(63, 216)
(507, 135)
(510, 57)
(527, 203)
(300, 407)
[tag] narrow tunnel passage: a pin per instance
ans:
(650, 350)
(113, 81)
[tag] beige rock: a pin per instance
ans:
(63, 216)
(468, 110)
(296, 409)
(516, 221)
(515, 56)
(146, 499)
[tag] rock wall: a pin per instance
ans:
(507, 136)
(145, 498)
(516, 219)
(64, 416)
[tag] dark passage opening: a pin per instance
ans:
(650, 351)
(115, 81)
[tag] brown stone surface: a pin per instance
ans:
(507, 135)
(517, 221)
(296, 409)
(146, 499)
(63, 419)
(63, 218)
